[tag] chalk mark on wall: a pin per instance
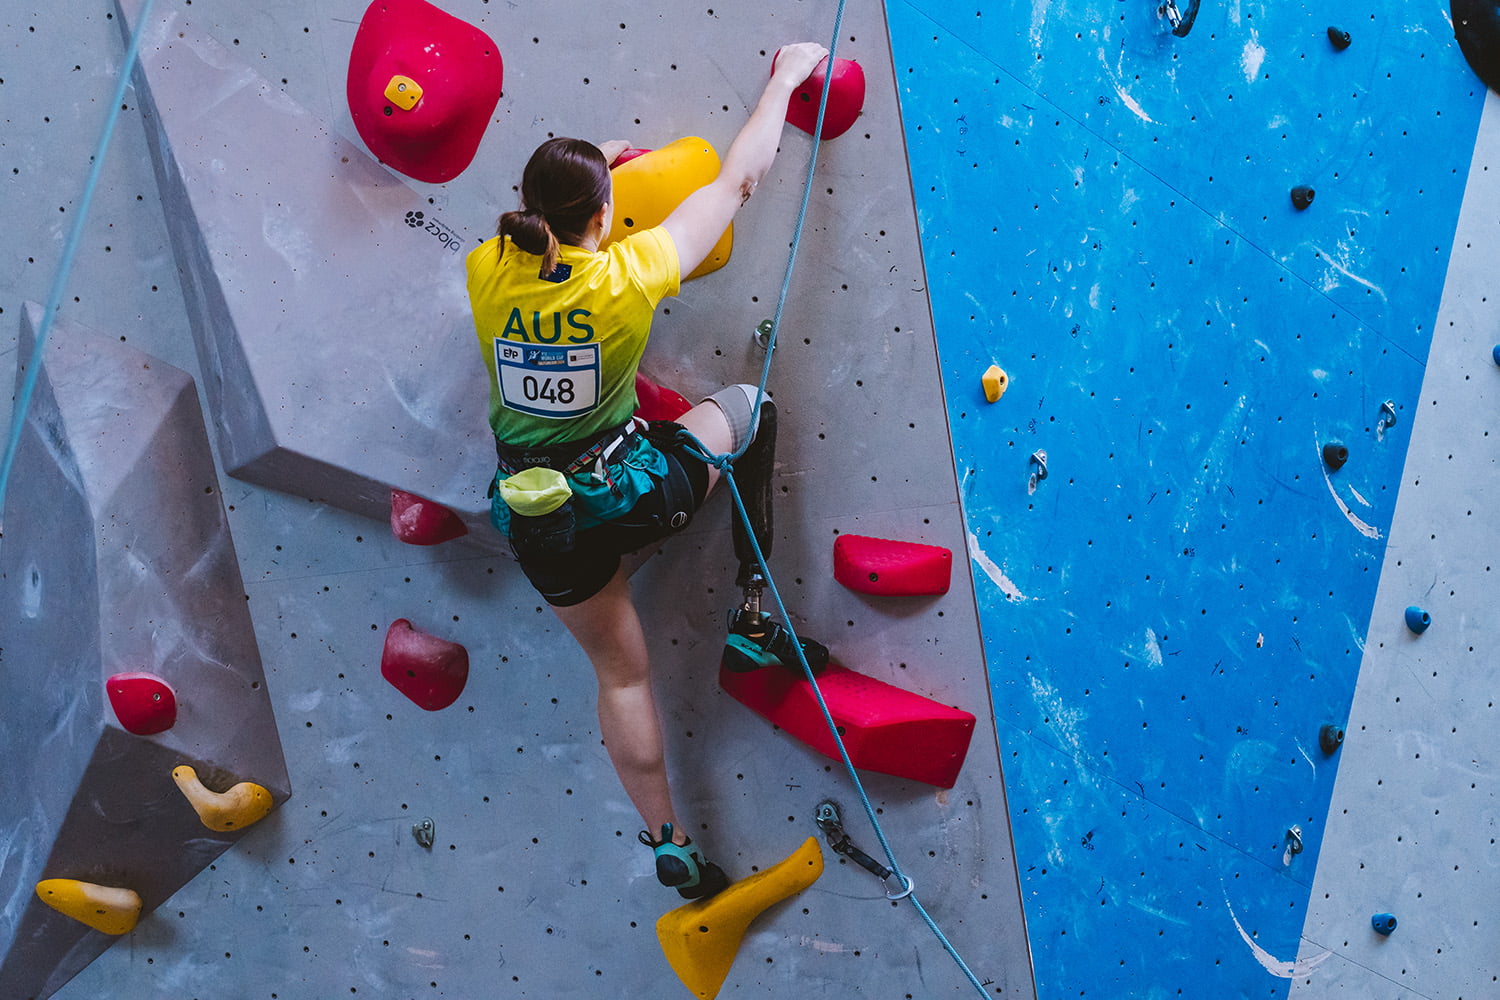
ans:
(1283, 970)
(993, 571)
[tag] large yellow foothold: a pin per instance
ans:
(650, 186)
(701, 939)
(995, 383)
(235, 809)
(104, 908)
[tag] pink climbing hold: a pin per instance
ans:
(144, 703)
(419, 521)
(884, 728)
(421, 87)
(658, 402)
(884, 566)
(428, 670)
(627, 156)
(846, 98)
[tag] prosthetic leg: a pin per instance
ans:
(755, 639)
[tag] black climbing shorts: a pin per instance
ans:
(566, 579)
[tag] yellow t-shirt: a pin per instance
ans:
(562, 351)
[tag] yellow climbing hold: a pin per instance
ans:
(104, 908)
(701, 939)
(235, 809)
(995, 381)
(650, 186)
(403, 92)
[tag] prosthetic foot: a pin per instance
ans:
(755, 639)
(683, 867)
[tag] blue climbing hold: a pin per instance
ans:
(1417, 620)
(1476, 23)
(1496, 354)
(1383, 923)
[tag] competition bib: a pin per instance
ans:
(556, 382)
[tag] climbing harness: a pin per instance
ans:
(763, 581)
(70, 250)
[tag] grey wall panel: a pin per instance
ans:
(535, 886)
(118, 560)
(1416, 810)
(334, 397)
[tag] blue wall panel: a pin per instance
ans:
(1172, 614)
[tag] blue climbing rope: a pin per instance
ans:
(70, 250)
(725, 464)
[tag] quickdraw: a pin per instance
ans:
(828, 820)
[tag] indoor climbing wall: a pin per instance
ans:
(242, 233)
(1181, 512)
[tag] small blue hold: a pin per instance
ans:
(1496, 354)
(1383, 923)
(1417, 620)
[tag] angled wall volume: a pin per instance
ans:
(326, 297)
(116, 559)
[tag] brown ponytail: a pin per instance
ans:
(565, 182)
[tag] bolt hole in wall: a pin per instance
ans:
(1176, 611)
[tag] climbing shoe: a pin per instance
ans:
(683, 867)
(756, 641)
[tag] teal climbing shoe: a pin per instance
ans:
(683, 867)
(756, 641)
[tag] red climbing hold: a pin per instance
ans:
(627, 156)
(144, 703)
(421, 86)
(846, 97)
(883, 566)
(428, 670)
(657, 402)
(884, 728)
(418, 521)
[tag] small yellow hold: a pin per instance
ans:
(649, 188)
(403, 92)
(700, 940)
(104, 908)
(242, 805)
(995, 382)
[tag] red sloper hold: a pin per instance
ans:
(428, 670)
(419, 521)
(885, 728)
(846, 98)
(434, 134)
(658, 402)
(884, 566)
(144, 703)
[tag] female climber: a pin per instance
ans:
(561, 326)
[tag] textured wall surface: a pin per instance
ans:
(535, 885)
(1416, 811)
(1176, 610)
(117, 560)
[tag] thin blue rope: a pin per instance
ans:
(70, 250)
(725, 463)
(833, 730)
(791, 260)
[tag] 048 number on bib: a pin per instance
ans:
(557, 382)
